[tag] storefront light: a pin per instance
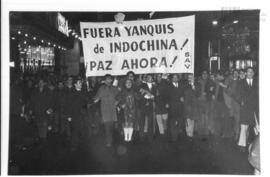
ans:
(215, 22)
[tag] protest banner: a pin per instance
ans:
(146, 46)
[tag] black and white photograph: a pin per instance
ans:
(134, 92)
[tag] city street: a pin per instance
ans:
(200, 156)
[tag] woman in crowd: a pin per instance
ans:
(127, 99)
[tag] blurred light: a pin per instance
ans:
(34, 38)
(76, 36)
(215, 22)
(19, 45)
(26, 35)
(49, 43)
(19, 32)
(54, 45)
(73, 33)
(29, 46)
(235, 21)
(42, 41)
(13, 38)
(59, 47)
(24, 42)
(69, 30)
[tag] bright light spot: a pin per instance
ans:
(214, 22)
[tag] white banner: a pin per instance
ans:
(147, 46)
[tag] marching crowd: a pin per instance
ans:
(146, 106)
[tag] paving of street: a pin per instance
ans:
(200, 156)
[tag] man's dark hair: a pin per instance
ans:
(107, 75)
(250, 68)
(131, 72)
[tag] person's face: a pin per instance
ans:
(250, 73)
(212, 77)
(108, 81)
(128, 84)
(190, 78)
(204, 75)
(131, 76)
(69, 82)
(41, 84)
(159, 77)
(149, 79)
(220, 77)
(242, 75)
(174, 78)
(60, 85)
(144, 77)
(94, 79)
(235, 74)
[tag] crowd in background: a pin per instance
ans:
(146, 107)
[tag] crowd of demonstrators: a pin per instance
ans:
(146, 106)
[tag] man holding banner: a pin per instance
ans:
(107, 95)
(143, 47)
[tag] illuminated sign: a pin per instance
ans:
(62, 24)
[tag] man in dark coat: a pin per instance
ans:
(192, 92)
(176, 107)
(41, 104)
(162, 102)
(73, 107)
(65, 128)
(148, 91)
(248, 98)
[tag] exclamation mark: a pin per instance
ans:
(174, 60)
(186, 41)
